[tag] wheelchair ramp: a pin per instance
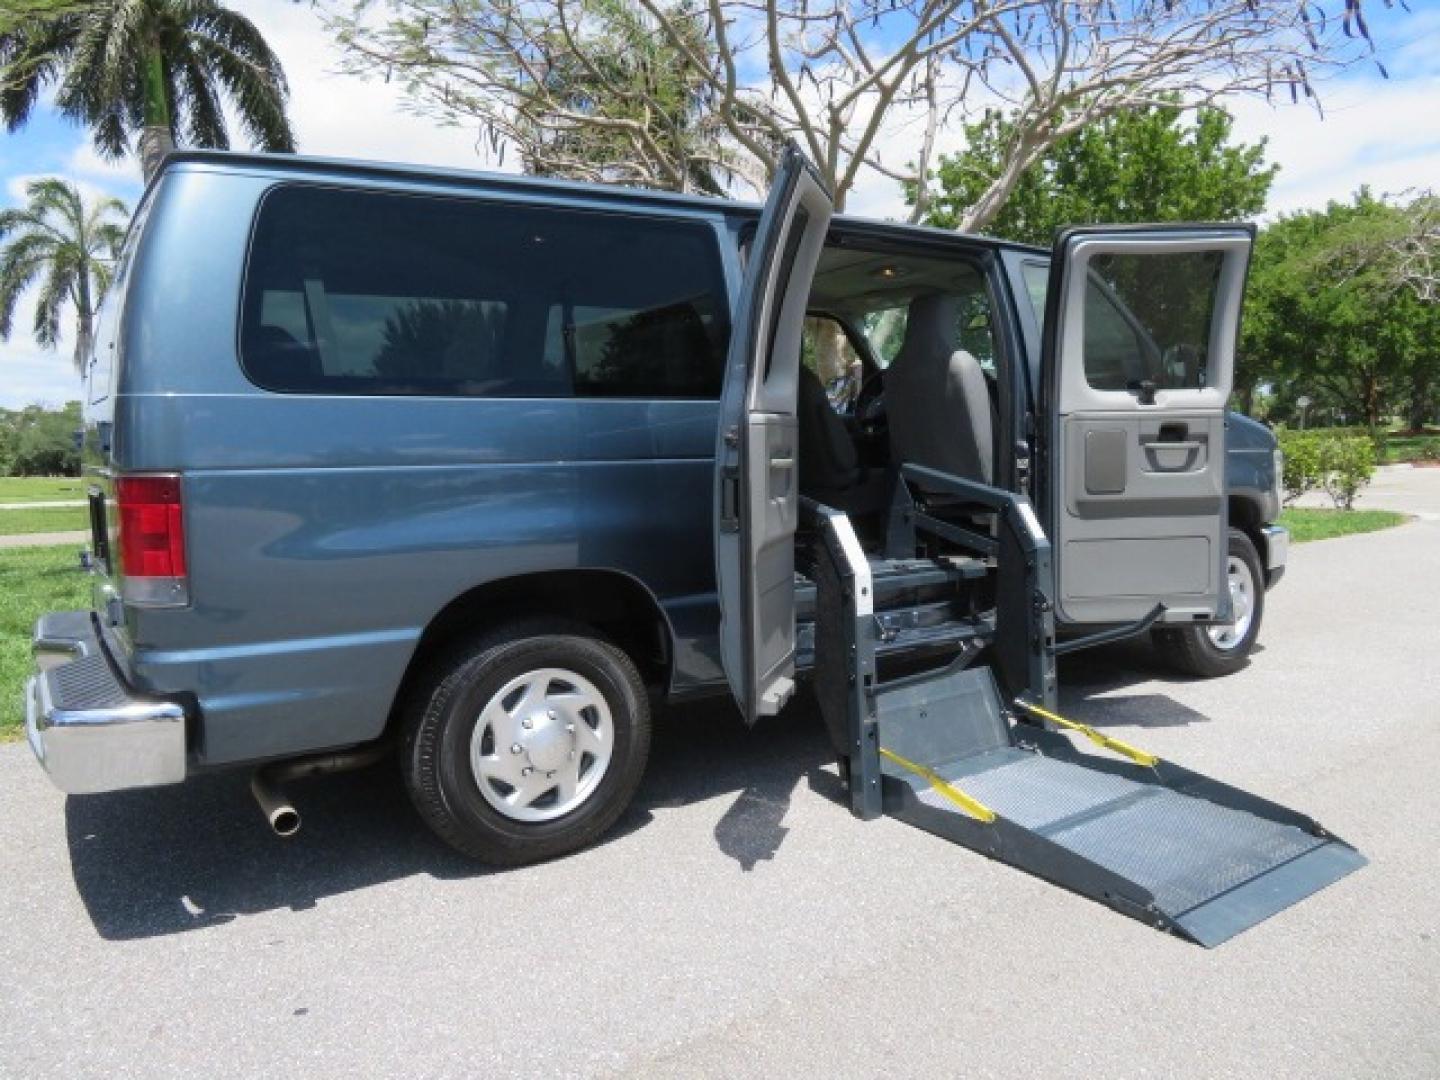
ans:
(1157, 842)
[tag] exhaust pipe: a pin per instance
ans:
(284, 819)
(266, 783)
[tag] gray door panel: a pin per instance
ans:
(757, 474)
(1140, 343)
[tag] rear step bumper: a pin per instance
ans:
(89, 730)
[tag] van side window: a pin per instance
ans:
(1146, 317)
(352, 292)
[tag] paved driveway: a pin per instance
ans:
(740, 922)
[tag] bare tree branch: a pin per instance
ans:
(702, 93)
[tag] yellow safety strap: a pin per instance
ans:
(974, 807)
(1140, 757)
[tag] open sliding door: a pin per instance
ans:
(757, 474)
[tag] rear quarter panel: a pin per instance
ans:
(324, 533)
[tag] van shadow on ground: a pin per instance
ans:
(169, 860)
(1090, 679)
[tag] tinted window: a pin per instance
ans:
(369, 293)
(1037, 286)
(826, 351)
(885, 328)
(1147, 317)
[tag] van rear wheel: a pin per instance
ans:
(528, 743)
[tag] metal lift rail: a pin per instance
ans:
(968, 751)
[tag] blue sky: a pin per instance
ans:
(1382, 132)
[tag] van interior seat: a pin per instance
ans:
(937, 399)
(830, 468)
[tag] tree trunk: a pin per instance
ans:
(84, 339)
(1370, 401)
(155, 143)
(155, 138)
(1422, 399)
(1246, 395)
(84, 323)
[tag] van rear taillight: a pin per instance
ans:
(152, 540)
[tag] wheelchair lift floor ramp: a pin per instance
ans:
(1160, 843)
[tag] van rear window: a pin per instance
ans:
(352, 292)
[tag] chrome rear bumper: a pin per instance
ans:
(89, 730)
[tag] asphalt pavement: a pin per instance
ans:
(740, 922)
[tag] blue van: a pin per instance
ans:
(476, 468)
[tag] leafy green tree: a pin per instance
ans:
(1154, 164)
(1326, 320)
(43, 441)
(162, 68)
(69, 249)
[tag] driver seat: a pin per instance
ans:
(831, 472)
(936, 397)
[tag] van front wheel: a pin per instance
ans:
(528, 743)
(1210, 651)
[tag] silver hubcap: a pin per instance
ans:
(542, 745)
(1242, 606)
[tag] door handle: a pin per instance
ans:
(730, 499)
(1181, 444)
(782, 462)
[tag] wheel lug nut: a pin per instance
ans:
(569, 729)
(550, 775)
(527, 723)
(526, 771)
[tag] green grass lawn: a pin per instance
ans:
(1400, 448)
(1306, 524)
(44, 519)
(32, 581)
(23, 489)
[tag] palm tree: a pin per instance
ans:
(70, 248)
(159, 67)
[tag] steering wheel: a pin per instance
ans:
(870, 401)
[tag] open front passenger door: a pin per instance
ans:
(757, 476)
(1140, 336)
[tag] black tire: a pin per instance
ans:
(445, 709)
(1190, 649)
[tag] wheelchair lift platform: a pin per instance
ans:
(946, 750)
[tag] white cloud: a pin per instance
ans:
(1376, 132)
(338, 115)
(85, 161)
(31, 376)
